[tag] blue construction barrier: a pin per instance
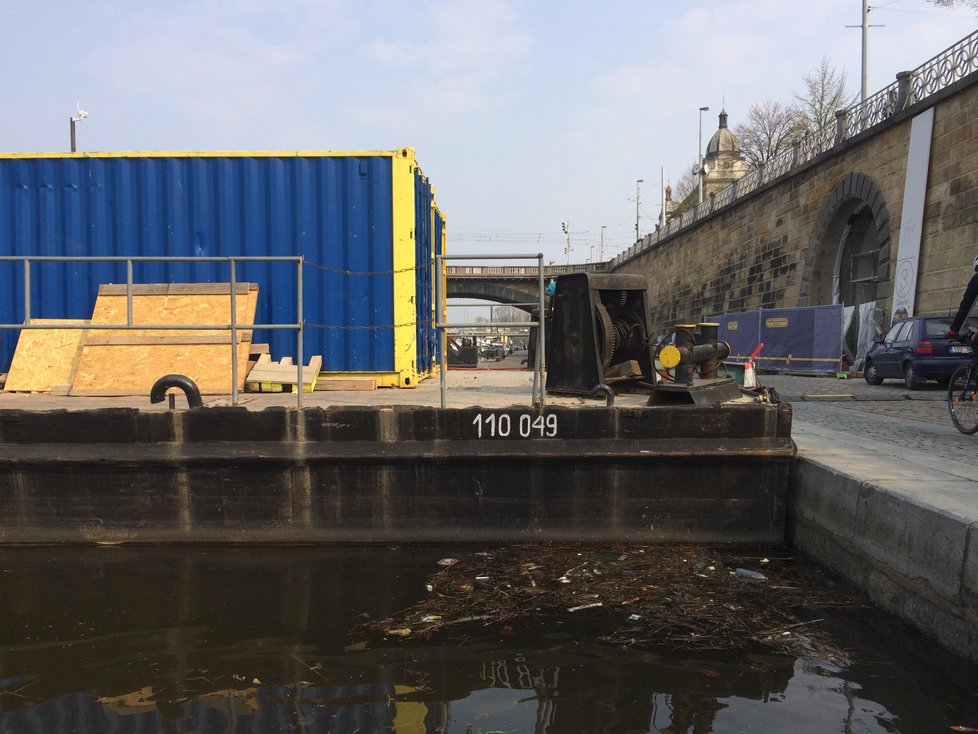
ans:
(805, 339)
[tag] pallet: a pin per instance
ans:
(282, 376)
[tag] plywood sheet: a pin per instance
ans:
(44, 357)
(128, 362)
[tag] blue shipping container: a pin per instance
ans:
(366, 224)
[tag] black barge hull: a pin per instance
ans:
(705, 474)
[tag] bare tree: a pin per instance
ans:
(509, 313)
(769, 129)
(684, 184)
(771, 126)
(955, 3)
(825, 91)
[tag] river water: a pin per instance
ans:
(257, 639)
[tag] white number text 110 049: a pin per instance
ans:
(502, 425)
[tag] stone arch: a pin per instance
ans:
(848, 260)
(505, 292)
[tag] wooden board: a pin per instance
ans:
(117, 362)
(45, 357)
(347, 383)
(255, 353)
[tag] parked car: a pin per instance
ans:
(916, 350)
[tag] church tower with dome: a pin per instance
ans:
(723, 159)
(724, 164)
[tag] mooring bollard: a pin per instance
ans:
(189, 387)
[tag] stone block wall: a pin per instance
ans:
(950, 230)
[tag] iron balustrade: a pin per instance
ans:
(233, 327)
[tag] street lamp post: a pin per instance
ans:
(699, 170)
(71, 124)
(601, 247)
(638, 188)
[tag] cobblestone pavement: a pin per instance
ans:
(889, 414)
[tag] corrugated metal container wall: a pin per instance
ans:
(366, 253)
(438, 248)
(428, 243)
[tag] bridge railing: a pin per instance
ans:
(910, 88)
(519, 271)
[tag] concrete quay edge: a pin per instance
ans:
(898, 523)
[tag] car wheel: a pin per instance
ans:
(910, 378)
(871, 375)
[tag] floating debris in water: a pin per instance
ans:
(579, 607)
(692, 598)
(746, 573)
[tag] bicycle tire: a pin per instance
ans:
(962, 398)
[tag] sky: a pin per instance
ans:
(524, 114)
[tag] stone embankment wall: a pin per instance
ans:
(772, 249)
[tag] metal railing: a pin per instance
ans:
(233, 327)
(910, 88)
(538, 388)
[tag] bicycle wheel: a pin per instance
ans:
(962, 398)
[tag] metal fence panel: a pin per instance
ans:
(804, 339)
